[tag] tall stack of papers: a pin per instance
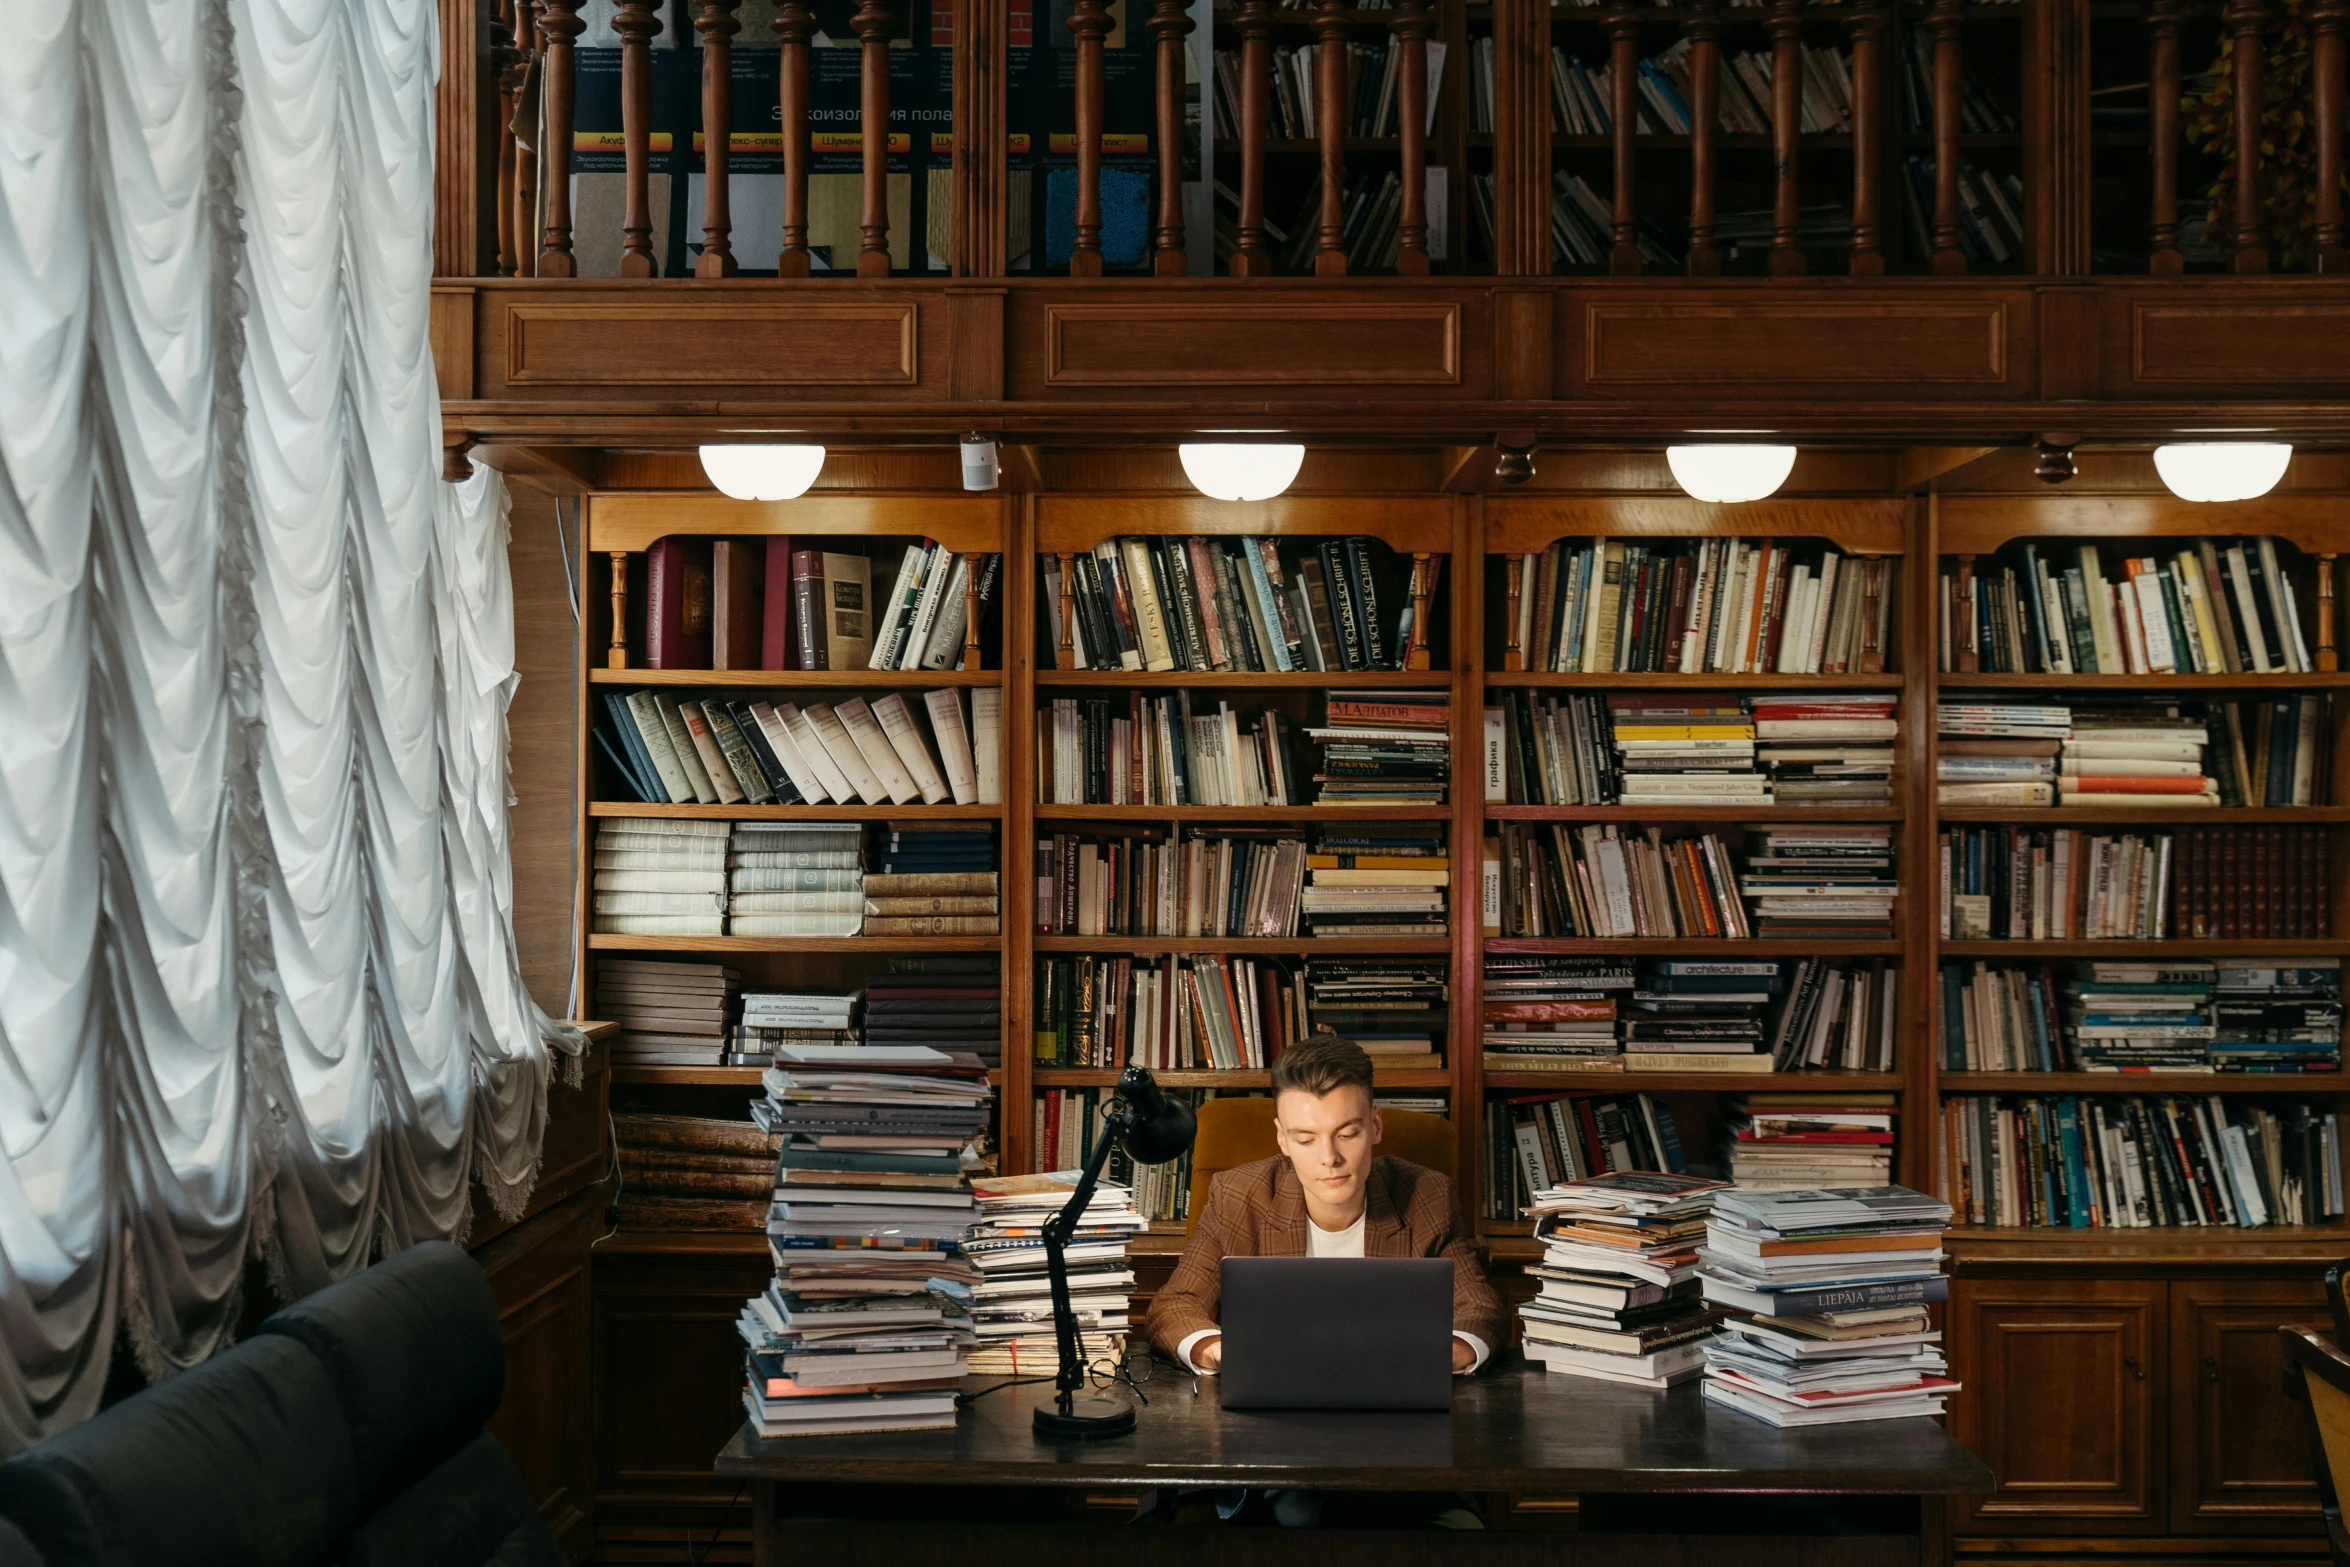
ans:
(1012, 1302)
(1618, 1296)
(1824, 1293)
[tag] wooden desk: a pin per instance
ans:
(1514, 1429)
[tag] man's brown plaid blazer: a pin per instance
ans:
(1259, 1210)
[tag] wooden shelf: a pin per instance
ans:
(1103, 1077)
(2070, 815)
(810, 679)
(2176, 1245)
(720, 1076)
(1653, 680)
(2270, 682)
(2144, 1082)
(1696, 1082)
(1243, 946)
(2141, 951)
(802, 813)
(875, 944)
(1690, 947)
(1693, 813)
(597, 1033)
(1322, 815)
(1245, 680)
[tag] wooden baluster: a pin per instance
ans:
(873, 24)
(794, 25)
(636, 21)
(1868, 117)
(1623, 35)
(2327, 659)
(971, 572)
(717, 26)
(1089, 21)
(1169, 25)
(1065, 656)
(1411, 135)
(1786, 28)
(1705, 125)
(616, 656)
(2162, 79)
(2243, 21)
(1942, 25)
(506, 64)
(530, 107)
(2326, 20)
(1254, 22)
(1962, 637)
(559, 85)
(1513, 654)
(1332, 110)
(1423, 590)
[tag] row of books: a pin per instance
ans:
(1604, 881)
(662, 876)
(1699, 606)
(1675, 748)
(681, 1172)
(2141, 1162)
(1159, 750)
(1809, 1137)
(1564, 1137)
(2207, 883)
(1186, 1014)
(2267, 751)
(2213, 606)
(1200, 604)
(1582, 223)
(2237, 1015)
(1547, 1013)
(1583, 103)
(1238, 881)
(1384, 748)
(668, 1013)
(1990, 210)
(713, 751)
(1372, 220)
(759, 603)
(1372, 95)
(1012, 1298)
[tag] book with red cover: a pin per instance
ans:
(735, 572)
(775, 605)
(677, 603)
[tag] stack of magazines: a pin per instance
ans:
(1617, 1296)
(1012, 1301)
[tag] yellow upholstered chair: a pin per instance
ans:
(2322, 1373)
(1234, 1132)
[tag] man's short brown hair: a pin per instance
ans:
(1318, 1065)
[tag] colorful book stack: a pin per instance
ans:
(1161, 750)
(796, 879)
(717, 752)
(1991, 752)
(1828, 749)
(2126, 757)
(1012, 1302)
(1553, 1014)
(1665, 749)
(1395, 1008)
(2148, 1017)
(936, 879)
(1684, 750)
(1377, 885)
(1824, 1294)
(1838, 1013)
(1809, 1138)
(1616, 1292)
(792, 1021)
(670, 1014)
(1834, 882)
(685, 1172)
(1699, 1015)
(1384, 748)
(659, 877)
(2236, 1015)
(2277, 1015)
(2131, 1162)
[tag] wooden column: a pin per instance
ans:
(1942, 25)
(1705, 125)
(2243, 20)
(717, 25)
(1254, 22)
(530, 106)
(1868, 155)
(1089, 20)
(1786, 28)
(794, 25)
(1332, 108)
(1623, 46)
(636, 22)
(873, 25)
(1065, 651)
(506, 68)
(2327, 659)
(1170, 26)
(616, 654)
(1411, 136)
(2162, 79)
(2326, 20)
(1521, 138)
(559, 85)
(982, 157)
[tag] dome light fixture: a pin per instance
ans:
(763, 473)
(1241, 471)
(1726, 475)
(2222, 470)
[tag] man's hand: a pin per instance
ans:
(1208, 1353)
(1463, 1357)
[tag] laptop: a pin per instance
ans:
(1337, 1333)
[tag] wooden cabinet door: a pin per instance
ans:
(2064, 1400)
(2240, 1459)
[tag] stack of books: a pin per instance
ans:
(1811, 1137)
(1673, 749)
(670, 1014)
(714, 752)
(1553, 1014)
(2154, 751)
(1828, 749)
(1665, 749)
(2147, 1017)
(658, 877)
(687, 1172)
(1992, 752)
(1160, 750)
(1699, 1015)
(1824, 1295)
(1834, 882)
(773, 1020)
(2134, 757)
(945, 1001)
(1395, 1008)
(1389, 885)
(936, 879)
(1616, 1292)
(1012, 1302)
(774, 889)
(921, 622)
(1384, 748)
(1839, 1013)
(2277, 1015)
(2114, 1161)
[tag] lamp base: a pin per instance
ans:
(1088, 1420)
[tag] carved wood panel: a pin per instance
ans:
(1291, 342)
(2240, 1458)
(631, 342)
(1630, 344)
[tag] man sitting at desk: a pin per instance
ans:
(1326, 1194)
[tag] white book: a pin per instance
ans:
(1496, 766)
(905, 738)
(954, 743)
(786, 746)
(2247, 612)
(1595, 593)
(655, 733)
(1795, 620)
(935, 571)
(815, 753)
(895, 615)
(987, 743)
(2293, 655)
(1533, 659)
(2154, 622)
(866, 735)
(2104, 632)
(943, 649)
(832, 733)
(1150, 616)
(1823, 600)
(681, 745)
(660, 924)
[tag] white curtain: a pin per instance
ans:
(258, 989)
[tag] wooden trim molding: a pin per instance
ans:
(1206, 342)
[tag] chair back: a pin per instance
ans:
(2323, 1374)
(2338, 1299)
(1234, 1132)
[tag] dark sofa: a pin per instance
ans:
(348, 1430)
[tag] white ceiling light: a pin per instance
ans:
(1241, 472)
(1726, 474)
(2222, 470)
(763, 473)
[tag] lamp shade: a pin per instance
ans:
(763, 473)
(2222, 470)
(1241, 471)
(1728, 474)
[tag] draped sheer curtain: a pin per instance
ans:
(258, 987)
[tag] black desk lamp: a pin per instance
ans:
(1154, 1129)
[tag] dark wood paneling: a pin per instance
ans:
(2240, 1459)
(1295, 342)
(655, 343)
(542, 737)
(2287, 346)
(1924, 340)
(449, 328)
(539, 1273)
